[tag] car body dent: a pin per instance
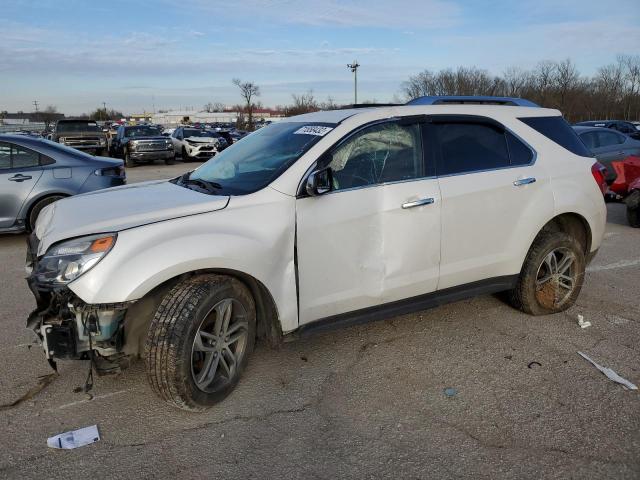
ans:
(233, 238)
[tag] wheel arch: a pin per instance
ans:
(572, 224)
(268, 327)
(28, 207)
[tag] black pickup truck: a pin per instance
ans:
(141, 143)
(81, 134)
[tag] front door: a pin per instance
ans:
(375, 238)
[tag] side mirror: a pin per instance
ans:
(319, 182)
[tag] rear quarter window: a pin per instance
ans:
(558, 131)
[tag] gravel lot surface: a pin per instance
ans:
(363, 402)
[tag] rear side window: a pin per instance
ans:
(558, 130)
(606, 139)
(15, 156)
(477, 146)
(590, 139)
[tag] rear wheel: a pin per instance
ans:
(185, 155)
(37, 208)
(633, 209)
(199, 341)
(552, 275)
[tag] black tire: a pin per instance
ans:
(170, 346)
(537, 298)
(185, 155)
(99, 152)
(633, 209)
(37, 208)
(128, 161)
(169, 161)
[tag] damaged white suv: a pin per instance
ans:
(323, 219)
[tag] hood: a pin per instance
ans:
(120, 208)
(202, 139)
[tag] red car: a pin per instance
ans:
(627, 185)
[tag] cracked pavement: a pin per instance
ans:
(362, 402)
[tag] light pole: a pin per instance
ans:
(354, 68)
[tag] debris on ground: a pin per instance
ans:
(450, 392)
(75, 438)
(582, 322)
(610, 373)
(43, 381)
(533, 364)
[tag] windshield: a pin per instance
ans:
(252, 164)
(77, 127)
(142, 131)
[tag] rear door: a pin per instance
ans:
(490, 182)
(375, 238)
(20, 170)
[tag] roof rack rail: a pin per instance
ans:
(471, 99)
(368, 105)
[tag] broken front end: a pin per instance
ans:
(68, 327)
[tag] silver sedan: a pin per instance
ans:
(35, 172)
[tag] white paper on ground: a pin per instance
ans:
(75, 439)
(610, 373)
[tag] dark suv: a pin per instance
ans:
(141, 143)
(621, 126)
(80, 134)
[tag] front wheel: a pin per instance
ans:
(552, 275)
(128, 161)
(199, 341)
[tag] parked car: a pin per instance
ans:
(319, 220)
(112, 131)
(608, 146)
(142, 143)
(195, 144)
(626, 187)
(80, 134)
(627, 128)
(35, 172)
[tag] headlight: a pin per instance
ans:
(61, 140)
(66, 261)
(132, 145)
(102, 141)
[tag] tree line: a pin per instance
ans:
(613, 92)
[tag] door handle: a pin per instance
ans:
(20, 178)
(417, 203)
(524, 181)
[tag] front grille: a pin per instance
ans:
(150, 146)
(82, 141)
(206, 149)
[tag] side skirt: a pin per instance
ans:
(402, 307)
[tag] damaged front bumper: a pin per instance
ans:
(69, 328)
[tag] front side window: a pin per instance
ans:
(387, 152)
(256, 161)
(468, 147)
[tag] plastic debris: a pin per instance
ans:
(450, 392)
(533, 364)
(582, 322)
(75, 438)
(610, 373)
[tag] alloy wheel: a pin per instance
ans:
(556, 278)
(219, 345)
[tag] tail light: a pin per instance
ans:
(111, 172)
(599, 173)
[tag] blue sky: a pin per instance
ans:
(132, 54)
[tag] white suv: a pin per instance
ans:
(319, 220)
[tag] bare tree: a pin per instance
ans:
(49, 115)
(214, 107)
(248, 91)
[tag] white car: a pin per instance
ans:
(319, 220)
(195, 144)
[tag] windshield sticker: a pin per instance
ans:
(317, 130)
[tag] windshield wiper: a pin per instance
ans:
(185, 181)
